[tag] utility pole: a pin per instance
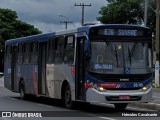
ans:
(145, 12)
(157, 28)
(82, 5)
(157, 80)
(66, 23)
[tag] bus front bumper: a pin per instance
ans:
(113, 96)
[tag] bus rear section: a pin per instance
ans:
(119, 65)
(25, 65)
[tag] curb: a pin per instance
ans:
(149, 105)
(152, 106)
(156, 89)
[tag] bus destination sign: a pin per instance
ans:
(120, 32)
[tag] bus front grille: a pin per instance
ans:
(123, 88)
(121, 77)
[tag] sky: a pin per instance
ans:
(44, 14)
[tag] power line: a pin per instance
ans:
(82, 5)
(67, 19)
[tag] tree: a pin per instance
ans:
(127, 12)
(151, 19)
(11, 28)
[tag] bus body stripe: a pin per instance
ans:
(34, 80)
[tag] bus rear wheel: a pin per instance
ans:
(120, 106)
(67, 98)
(22, 91)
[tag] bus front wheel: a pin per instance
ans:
(67, 98)
(120, 106)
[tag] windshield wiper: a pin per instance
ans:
(133, 49)
(116, 54)
(113, 52)
(129, 55)
(131, 52)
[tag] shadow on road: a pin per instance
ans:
(79, 106)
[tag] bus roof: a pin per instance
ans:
(77, 30)
(111, 25)
(120, 25)
(28, 38)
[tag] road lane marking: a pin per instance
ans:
(44, 105)
(140, 109)
(129, 107)
(153, 103)
(106, 118)
(12, 98)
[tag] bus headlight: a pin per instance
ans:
(145, 88)
(101, 89)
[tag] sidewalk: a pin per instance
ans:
(156, 89)
(154, 105)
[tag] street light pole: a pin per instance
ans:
(157, 29)
(67, 21)
(157, 80)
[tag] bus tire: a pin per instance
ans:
(22, 91)
(67, 98)
(120, 106)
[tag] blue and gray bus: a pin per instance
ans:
(98, 64)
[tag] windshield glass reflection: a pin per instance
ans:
(113, 57)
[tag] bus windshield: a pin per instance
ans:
(114, 57)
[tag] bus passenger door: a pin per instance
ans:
(42, 68)
(80, 71)
(13, 67)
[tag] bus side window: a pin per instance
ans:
(27, 53)
(59, 46)
(8, 53)
(20, 53)
(34, 49)
(51, 50)
(69, 50)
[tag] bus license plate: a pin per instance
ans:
(124, 97)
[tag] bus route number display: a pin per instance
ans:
(103, 66)
(120, 32)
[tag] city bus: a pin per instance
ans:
(97, 64)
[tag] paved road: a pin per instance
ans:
(156, 95)
(1, 81)
(11, 102)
